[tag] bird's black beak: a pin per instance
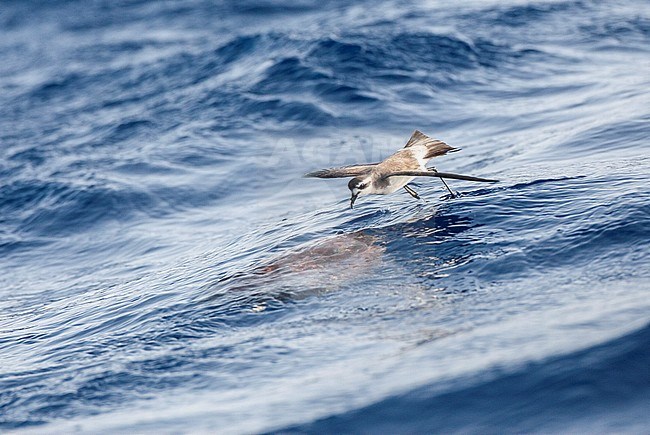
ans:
(352, 199)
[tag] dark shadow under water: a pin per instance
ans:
(319, 267)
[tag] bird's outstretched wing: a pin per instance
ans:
(439, 175)
(434, 147)
(342, 172)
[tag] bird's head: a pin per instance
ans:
(357, 186)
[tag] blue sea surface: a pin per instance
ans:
(164, 267)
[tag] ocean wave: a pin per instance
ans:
(51, 209)
(541, 396)
(166, 267)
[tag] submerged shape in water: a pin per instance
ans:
(321, 266)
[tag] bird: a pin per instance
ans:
(398, 170)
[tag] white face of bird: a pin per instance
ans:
(357, 186)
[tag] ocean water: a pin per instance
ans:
(165, 267)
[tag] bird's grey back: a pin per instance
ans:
(402, 160)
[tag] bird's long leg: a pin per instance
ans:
(412, 192)
(443, 182)
(453, 195)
